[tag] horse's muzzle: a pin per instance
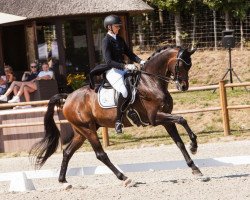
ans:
(182, 85)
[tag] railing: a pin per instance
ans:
(223, 107)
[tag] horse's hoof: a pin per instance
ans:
(193, 150)
(205, 179)
(66, 186)
(197, 172)
(128, 183)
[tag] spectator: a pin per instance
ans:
(7, 79)
(2, 84)
(15, 85)
(30, 86)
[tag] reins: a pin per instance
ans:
(163, 78)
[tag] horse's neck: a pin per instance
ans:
(151, 86)
(157, 65)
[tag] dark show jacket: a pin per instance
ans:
(113, 51)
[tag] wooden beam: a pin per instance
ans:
(105, 136)
(1, 48)
(31, 42)
(223, 102)
(124, 32)
(61, 49)
(90, 43)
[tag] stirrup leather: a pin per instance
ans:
(118, 127)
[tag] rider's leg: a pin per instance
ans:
(116, 79)
(122, 106)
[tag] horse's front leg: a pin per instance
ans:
(165, 120)
(169, 118)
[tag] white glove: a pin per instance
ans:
(130, 67)
(142, 62)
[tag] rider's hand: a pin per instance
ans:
(130, 67)
(142, 62)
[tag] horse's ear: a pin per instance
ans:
(192, 51)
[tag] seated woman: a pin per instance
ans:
(30, 86)
(15, 85)
(6, 79)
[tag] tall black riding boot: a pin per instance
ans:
(122, 105)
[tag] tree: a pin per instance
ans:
(175, 7)
(237, 7)
(240, 12)
(214, 5)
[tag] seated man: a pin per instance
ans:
(30, 86)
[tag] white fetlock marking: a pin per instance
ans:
(66, 186)
(129, 183)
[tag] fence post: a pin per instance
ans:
(223, 102)
(105, 136)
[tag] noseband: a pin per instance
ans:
(177, 66)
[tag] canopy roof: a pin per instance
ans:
(46, 8)
(7, 18)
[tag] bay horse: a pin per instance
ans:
(153, 103)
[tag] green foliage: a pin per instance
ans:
(213, 4)
(240, 8)
(173, 5)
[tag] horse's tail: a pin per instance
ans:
(48, 145)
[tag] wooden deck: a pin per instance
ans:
(21, 138)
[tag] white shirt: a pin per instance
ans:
(112, 35)
(45, 73)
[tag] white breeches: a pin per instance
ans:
(116, 79)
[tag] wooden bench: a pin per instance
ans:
(45, 90)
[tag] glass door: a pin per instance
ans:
(76, 48)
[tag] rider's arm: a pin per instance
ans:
(129, 53)
(107, 55)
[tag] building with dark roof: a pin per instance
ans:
(68, 31)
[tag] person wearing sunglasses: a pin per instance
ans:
(15, 85)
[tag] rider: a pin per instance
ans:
(113, 50)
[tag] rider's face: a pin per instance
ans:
(116, 28)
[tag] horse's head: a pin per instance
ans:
(169, 61)
(179, 68)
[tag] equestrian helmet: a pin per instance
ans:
(112, 19)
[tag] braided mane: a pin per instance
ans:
(159, 50)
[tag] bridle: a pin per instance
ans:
(176, 75)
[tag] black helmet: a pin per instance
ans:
(112, 19)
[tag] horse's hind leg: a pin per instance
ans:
(172, 130)
(101, 155)
(68, 152)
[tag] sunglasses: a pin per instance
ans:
(32, 66)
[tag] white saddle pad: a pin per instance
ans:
(106, 97)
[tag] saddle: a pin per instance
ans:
(108, 97)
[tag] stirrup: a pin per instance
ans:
(118, 127)
(133, 115)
